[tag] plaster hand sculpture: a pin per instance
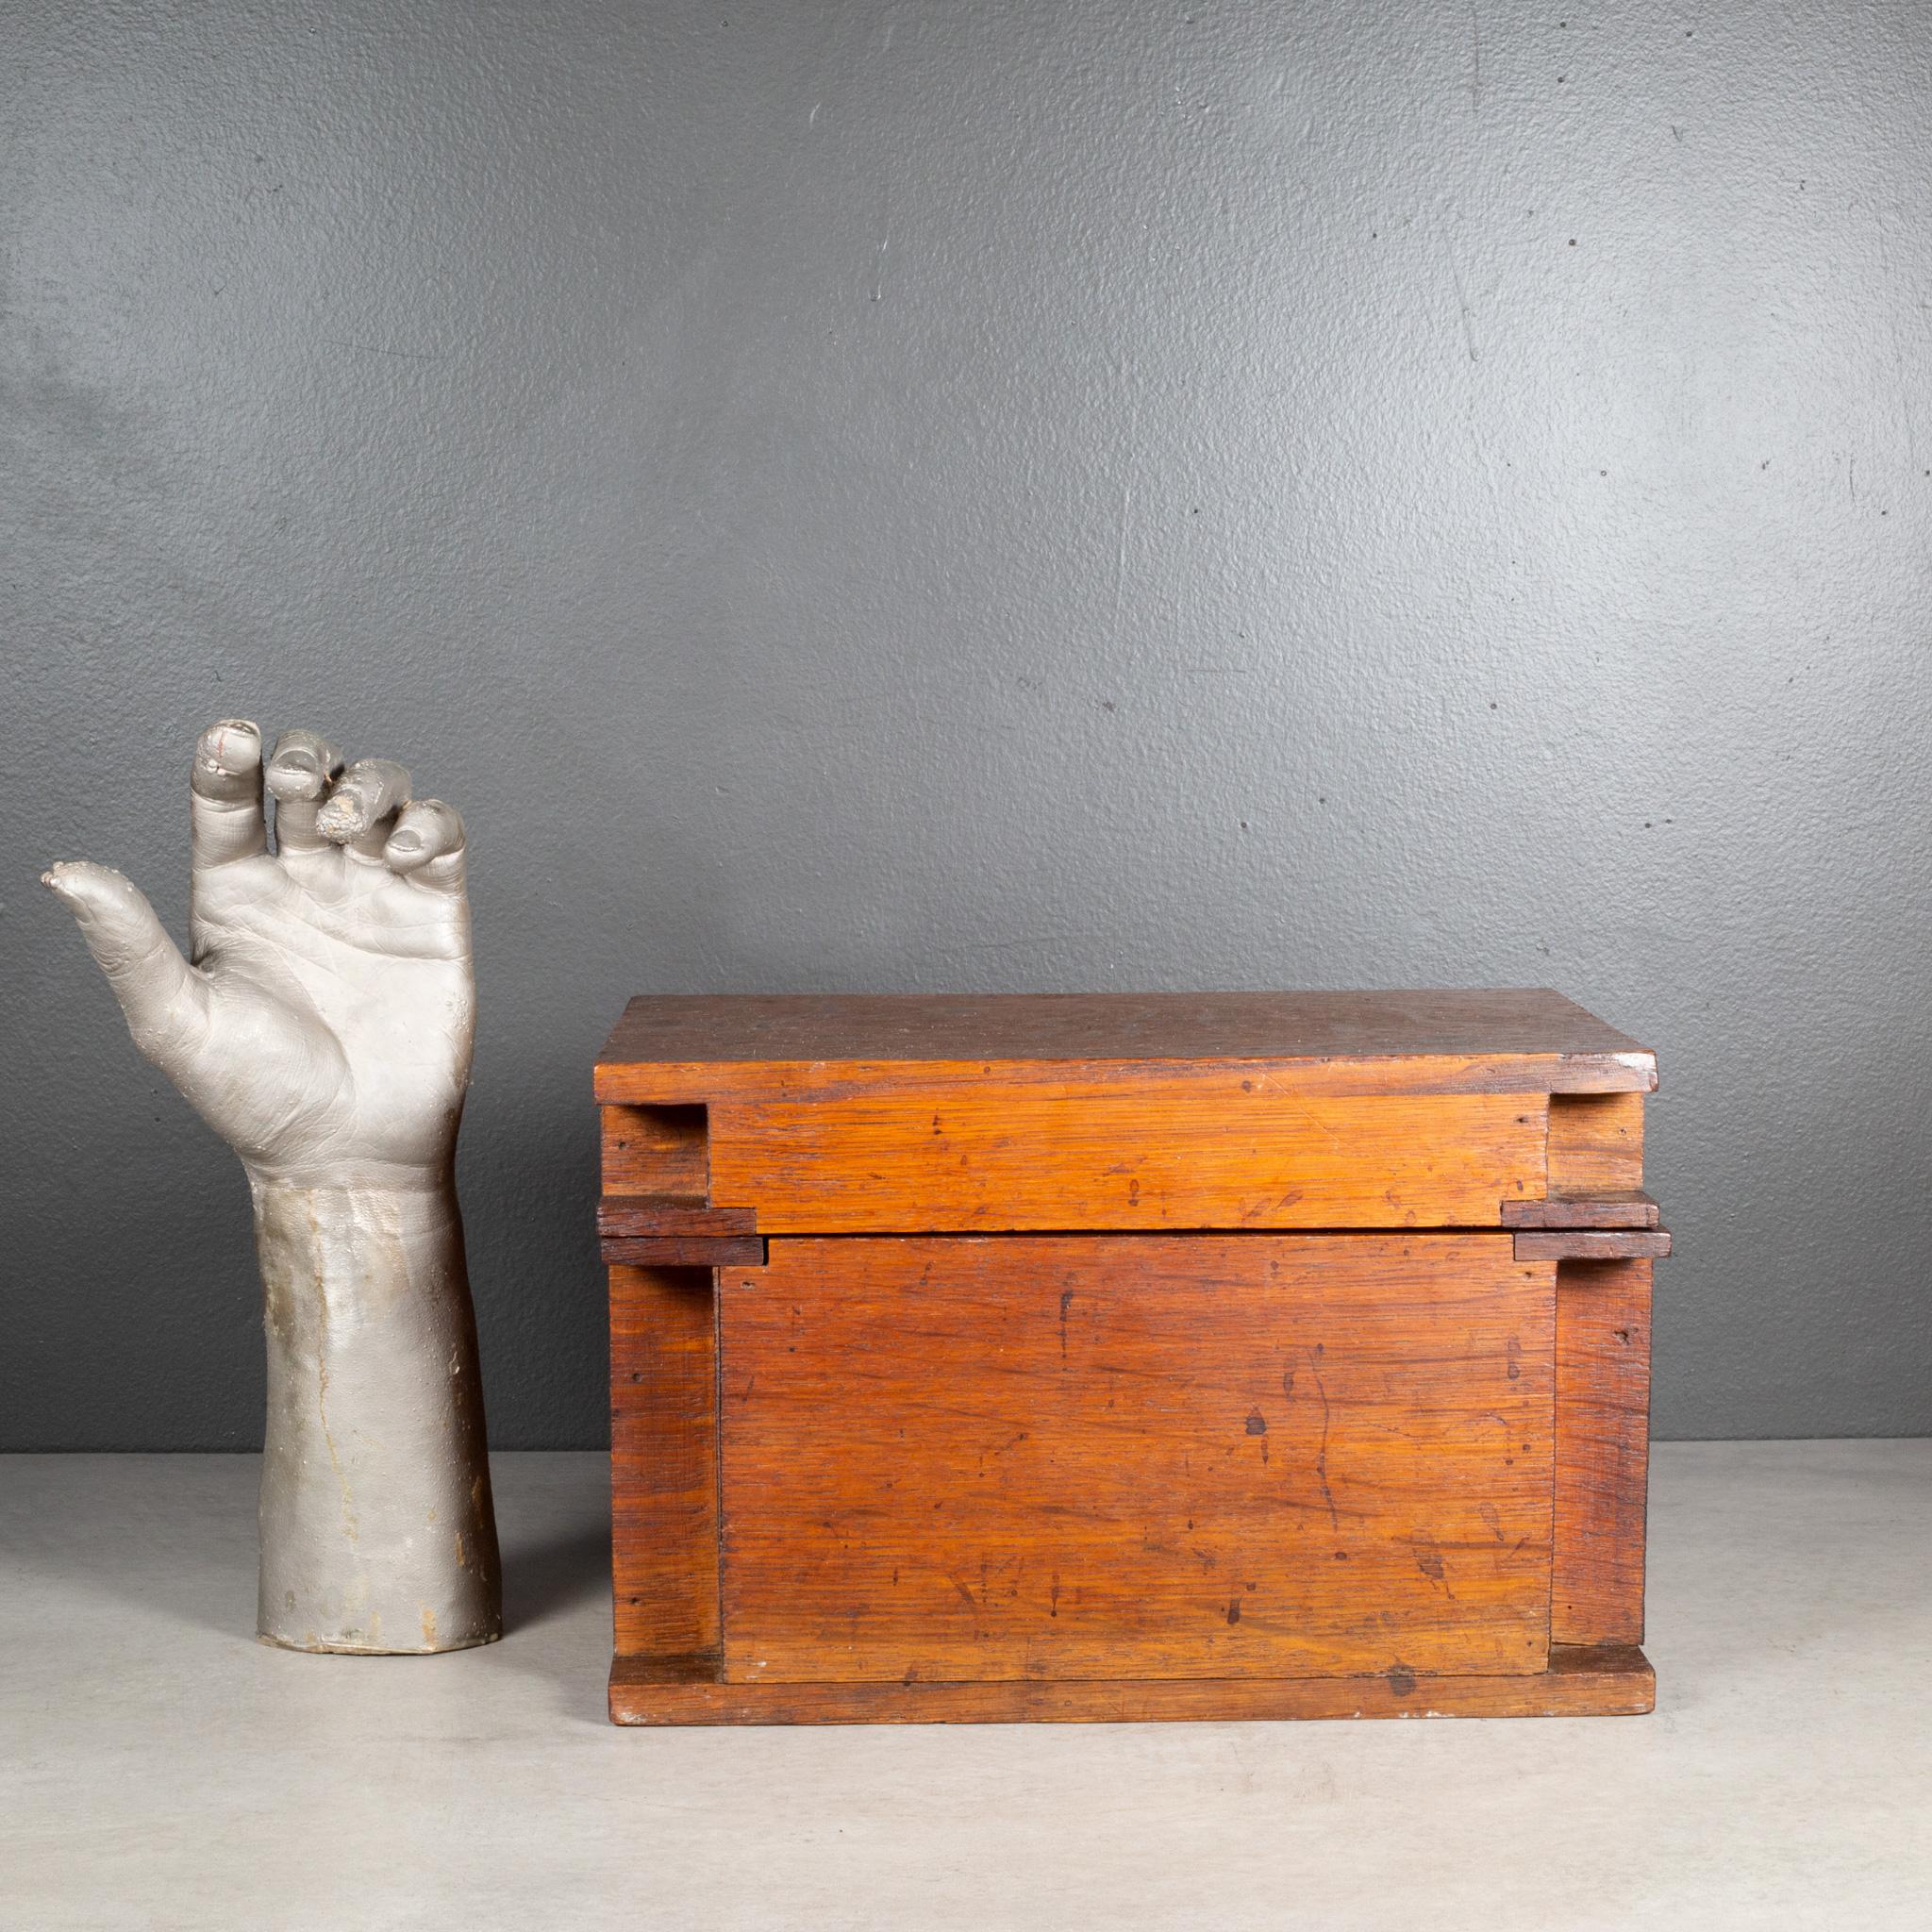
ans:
(325, 1031)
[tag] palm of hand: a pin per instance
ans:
(343, 1012)
(325, 1029)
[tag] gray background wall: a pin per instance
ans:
(990, 496)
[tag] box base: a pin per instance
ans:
(1607, 1680)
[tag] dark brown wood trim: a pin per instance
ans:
(673, 1029)
(1592, 1244)
(643, 1216)
(683, 1251)
(1620, 1207)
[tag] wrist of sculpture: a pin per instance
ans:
(378, 1531)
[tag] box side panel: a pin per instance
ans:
(1212, 1148)
(1086, 1457)
(665, 1460)
(1603, 1450)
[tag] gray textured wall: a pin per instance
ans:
(991, 497)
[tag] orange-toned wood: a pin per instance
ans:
(1603, 1436)
(830, 1114)
(655, 1150)
(759, 1082)
(639, 1216)
(1100, 1457)
(665, 1460)
(1596, 1143)
(1449, 1481)
(1604, 1682)
(1167, 1148)
(1591, 1243)
(1631, 1207)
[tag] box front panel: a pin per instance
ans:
(1212, 1147)
(1067, 1457)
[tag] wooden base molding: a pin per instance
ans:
(1609, 1681)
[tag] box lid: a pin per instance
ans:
(902, 1113)
(1494, 1027)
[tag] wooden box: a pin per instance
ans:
(1125, 1357)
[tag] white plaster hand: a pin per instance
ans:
(325, 1031)
(324, 1027)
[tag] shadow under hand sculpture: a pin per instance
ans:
(324, 1030)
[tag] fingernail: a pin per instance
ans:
(295, 776)
(301, 767)
(230, 748)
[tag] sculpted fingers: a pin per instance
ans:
(361, 809)
(298, 775)
(304, 763)
(224, 794)
(428, 845)
(164, 999)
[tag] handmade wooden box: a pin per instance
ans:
(1125, 1355)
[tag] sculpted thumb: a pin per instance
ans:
(164, 999)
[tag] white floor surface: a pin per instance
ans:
(161, 1769)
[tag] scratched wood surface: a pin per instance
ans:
(1603, 1450)
(1626, 1209)
(665, 1460)
(830, 1114)
(1596, 1143)
(1108, 1456)
(1606, 1681)
(657, 1151)
(688, 1251)
(760, 1029)
(629, 1216)
(664, 1087)
(1220, 1149)
(1591, 1243)
(1135, 1463)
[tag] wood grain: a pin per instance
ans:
(1182, 1148)
(683, 1251)
(1216, 1457)
(1596, 1682)
(642, 1216)
(655, 1150)
(665, 1460)
(708, 1030)
(1596, 1143)
(1631, 1207)
(1603, 1439)
(1061, 1392)
(756, 1083)
(1591, 1243)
